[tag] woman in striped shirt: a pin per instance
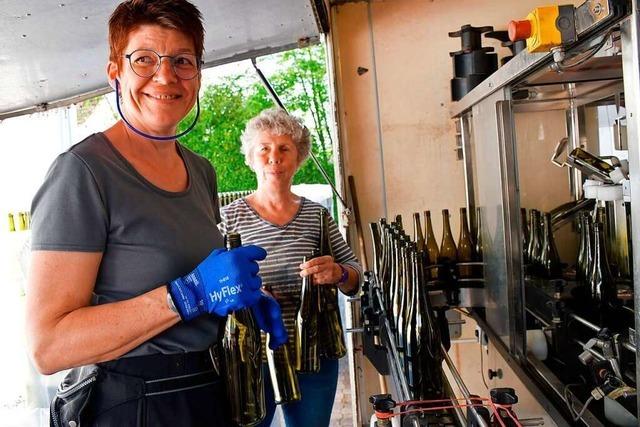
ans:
(287, 226)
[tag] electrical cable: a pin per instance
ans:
(589, 53)
(462, 311)
(575, 415)
(482, 364)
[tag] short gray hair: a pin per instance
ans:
(278, 122)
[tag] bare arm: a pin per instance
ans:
(64, 330)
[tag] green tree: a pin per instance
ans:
(227, 106)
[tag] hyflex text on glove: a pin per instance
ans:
(223, 282)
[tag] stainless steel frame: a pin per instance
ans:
(486, 149)
(630, 38)
(496, 192)
(466, 134)
(513, 249)
(573, 132)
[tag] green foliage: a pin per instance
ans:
(227, 106)
(86, 108)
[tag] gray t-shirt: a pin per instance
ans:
(93, 200)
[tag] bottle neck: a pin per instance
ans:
(464, 225)
(446, 227)
(428, 225)
(548, 232)
(535, 226)
(233, 240)
(417, 229)
(599, 254)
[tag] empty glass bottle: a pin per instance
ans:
(242, 354)
(432, 252)
(398, 222)
(403, 297)
(448, 255)
(550, 266)
(601, 281)
(429, 347)
(329, 322)
(535, 241)
(387, 273)
(385, 266)
(479, 245)
(396, 283)
(412, 323)
(376, 245)
(524, 235)
(418, 237)
(465, 248)
(585, 251)
(307, 351)
(284, 379)
(602, 217)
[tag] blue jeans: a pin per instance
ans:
(318, 393)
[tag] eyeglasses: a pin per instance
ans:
(146, 63)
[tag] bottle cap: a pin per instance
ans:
(519, 30)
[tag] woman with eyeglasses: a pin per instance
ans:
(126, 270)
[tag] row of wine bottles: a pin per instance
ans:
(401, 274)
(540, 254)
(318, 332)
(318, 321)
(592, 265)
(462, 259)
(539, 251)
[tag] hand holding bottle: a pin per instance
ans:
(324, 269)
(268, 316)
(225, 281)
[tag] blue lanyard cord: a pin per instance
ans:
(146, 135)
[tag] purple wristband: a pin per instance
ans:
(345, 275)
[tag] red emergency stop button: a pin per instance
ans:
(519, 30)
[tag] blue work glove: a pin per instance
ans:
(225, 281)
(269, 318)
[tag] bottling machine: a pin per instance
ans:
(552, 167)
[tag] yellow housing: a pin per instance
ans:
(544, 34)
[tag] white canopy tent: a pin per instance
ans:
(53, 53)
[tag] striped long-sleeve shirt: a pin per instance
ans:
(285, 246)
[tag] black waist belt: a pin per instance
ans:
(166, 373)
(179, 383)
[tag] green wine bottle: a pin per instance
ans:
(432, 252)
(307, 351)
(465, 248)
(448, 255)
(330, 324)
(242, 355)
(284, 379)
